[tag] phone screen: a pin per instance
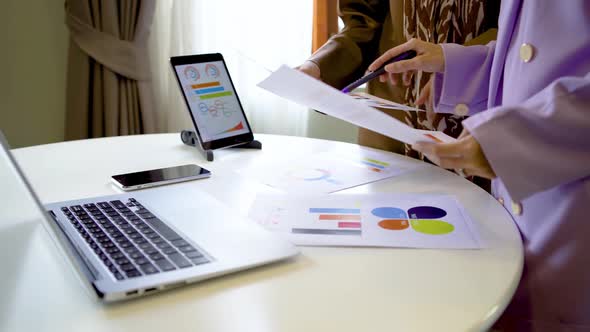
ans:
(212, 100)
(162, 175)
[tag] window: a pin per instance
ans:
(254, 37)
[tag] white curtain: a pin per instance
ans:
(254, 36)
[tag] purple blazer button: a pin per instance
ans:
(527, 52)
(516, 208)
(461, 110)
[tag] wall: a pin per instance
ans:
(33, 77)
(33, 71)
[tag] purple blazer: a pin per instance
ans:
(528, 95)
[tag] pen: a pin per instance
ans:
(404, 56)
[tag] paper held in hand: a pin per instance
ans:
(376, 102)
(302, 89)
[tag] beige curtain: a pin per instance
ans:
(108, 79)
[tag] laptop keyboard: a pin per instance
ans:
(130, 240)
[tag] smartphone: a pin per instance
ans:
(160, 176)
(212, 100)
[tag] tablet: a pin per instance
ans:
(211, 98)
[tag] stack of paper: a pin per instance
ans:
(388, 220)
(382, 220)
(327, 172)
(303, 89)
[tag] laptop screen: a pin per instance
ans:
(17, 205)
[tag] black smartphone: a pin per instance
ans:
(212, 100)
(160, 176)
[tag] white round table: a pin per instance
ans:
(323, 289)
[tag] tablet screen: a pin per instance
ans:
(212, 100)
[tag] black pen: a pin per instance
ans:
(404, 56)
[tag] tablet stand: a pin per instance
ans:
(189, 137)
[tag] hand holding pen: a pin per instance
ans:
(378, 71)
(429, 58)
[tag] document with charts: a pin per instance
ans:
(373, 220)
(328, 171)
(303, 89)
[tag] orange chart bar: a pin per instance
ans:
(339, 217)
(204, 85)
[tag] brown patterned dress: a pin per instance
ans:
(438, 21)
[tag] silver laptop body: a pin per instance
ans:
(130, 245)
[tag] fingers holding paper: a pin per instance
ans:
(429, 58)
(465, 154)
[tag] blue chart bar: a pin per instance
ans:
(209, 90)
(326, 231)
(333, 210)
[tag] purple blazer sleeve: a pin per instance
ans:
(465, 79)
(540, 143)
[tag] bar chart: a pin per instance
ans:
(333, 221)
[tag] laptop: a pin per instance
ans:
(129, 245)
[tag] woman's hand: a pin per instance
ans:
(465, 154)
(429, 58)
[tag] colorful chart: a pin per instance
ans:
(192, 73)
(389, 212)
(413, 220)
(344, 218)
(215, 108)
(313, 174)
(396, 219)
(333, 221)
(237, 127)
(374, 165)
(212, 70)
(205, 85)
(394, 224)
(212, 109)
(313, 231)
(432, 227)
(426, 212)
(423, 219)
(434, 138)
(210, 90)
(326, 172)
(212, 100)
